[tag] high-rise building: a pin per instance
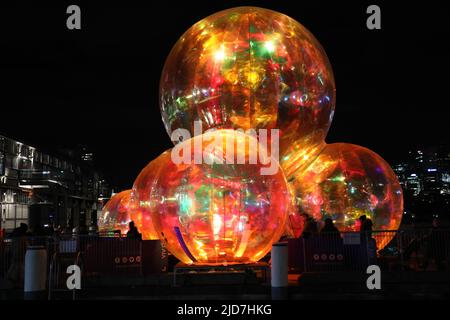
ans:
(425, 179)
(426, 171)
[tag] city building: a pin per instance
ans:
(425, 179)
(426, 171)
(41, 188)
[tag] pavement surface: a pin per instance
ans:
(307, 286)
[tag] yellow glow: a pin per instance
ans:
(217, 224)
(200, 249)
(232, 77)
(243, 244)
(253, 77)
(219, 55)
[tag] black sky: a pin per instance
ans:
(99, 85)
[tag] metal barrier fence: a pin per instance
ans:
(96, 256)
(12, 256)
(412, 250)
(416, 250)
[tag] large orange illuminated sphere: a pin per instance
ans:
(344, 182)
(116, 214)
(249, 67)
(141, 196)
(217, 212)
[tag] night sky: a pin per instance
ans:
(99, 86)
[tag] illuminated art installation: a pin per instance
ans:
(219, 213)
(253, 68)
(116, 214)
(123, 208)
(247, 68)
(141, 196)
(346, 181)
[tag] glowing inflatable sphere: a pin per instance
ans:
(116, 214)
(141, 197)
(249, 67)
(344, 182)
(301, 153)
(211, 210)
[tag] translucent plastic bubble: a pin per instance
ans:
(116, 214)
(141, 196)
(344, 182)
(222, 212)
(247, 68)
(123, 208)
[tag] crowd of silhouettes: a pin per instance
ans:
(332, 237)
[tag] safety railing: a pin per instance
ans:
(96, 256)
(403, 250)
(12, 256)
(411, 250)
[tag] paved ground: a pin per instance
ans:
(310, 286)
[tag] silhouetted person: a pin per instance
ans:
(365, 227)
(20, 231)
(133, 231)
(361, 221)
(329, 230)
(83, 230)
(310, 228)
(329, 227)
(435, 246)
(369, 244)
(18, 248)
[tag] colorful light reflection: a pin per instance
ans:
(116, 214)
(344, 182)
(123, 208)
(248, 68)
(141, 196)
(221, 213)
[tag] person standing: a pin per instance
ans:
(133, 232)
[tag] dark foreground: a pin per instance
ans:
(309, 286)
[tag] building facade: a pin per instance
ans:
(39, 188)
(426, 171)
(425, 179)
